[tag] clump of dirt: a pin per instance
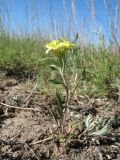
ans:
(20, 72)
(28, 133)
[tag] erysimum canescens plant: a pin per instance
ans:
(60, 48)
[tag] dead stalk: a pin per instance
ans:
(20, 108)
(42, 141)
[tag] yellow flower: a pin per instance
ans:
(52, 46)
(59, 48)
(66, 44)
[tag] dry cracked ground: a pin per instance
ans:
(26, 131)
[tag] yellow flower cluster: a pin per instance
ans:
(58, 47)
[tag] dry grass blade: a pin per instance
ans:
(20, 108)
(27, 99)
(31, 150)
(42, 141)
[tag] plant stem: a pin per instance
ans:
(65, 84)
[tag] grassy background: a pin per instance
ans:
(98, 65)
(98, 68)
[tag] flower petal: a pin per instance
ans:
(48, 50)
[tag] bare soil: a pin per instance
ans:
(20, 129)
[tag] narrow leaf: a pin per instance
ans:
(54, 81)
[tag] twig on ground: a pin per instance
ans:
(31, 150)
(41, 141)
(21, 108)
(27, 99)
(16, 135)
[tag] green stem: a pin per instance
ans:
(65, 86)
(62, 74)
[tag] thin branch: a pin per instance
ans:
(21, 108)
(27, 99)
(31, 151)
(41, 141)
